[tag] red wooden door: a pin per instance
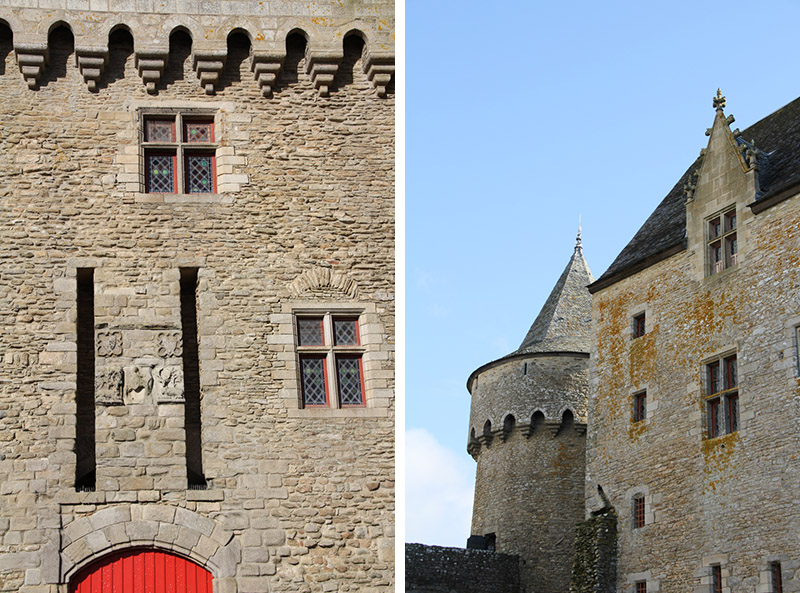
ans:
(142, 571)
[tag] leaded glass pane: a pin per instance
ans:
(195, 131)
(160, 174)
(309, 331)
(312, 372)
(344, 332)
(199, 174)
(348, 377)
(160, 130)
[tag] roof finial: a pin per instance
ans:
(719, 101)
(578, 246)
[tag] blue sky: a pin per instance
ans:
(519, 116)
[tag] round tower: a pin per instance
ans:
(527, 434)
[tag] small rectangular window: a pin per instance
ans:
(314, 378)
(330, 357)
(722, 402)
(349, 378)
(85, 461)
(716, 579)
(182, 162)
(640, 406)
(638, 326)
(777, 577)
(638, 511)
(641, 587)
(723, 249)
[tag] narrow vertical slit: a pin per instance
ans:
(191, 380)
(84, 390)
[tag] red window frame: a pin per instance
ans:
(336, 318)
(777, 577)
(324, 360)
(721, 242)
(731, 373)
(162, 118)
(197, 120)
(713, 414)
(361, 379)
(191, 152)
(641, 587)
(180, 148)
(640, 406)
(723, 403)
(161, 152)
(638, 511)
(639, 325)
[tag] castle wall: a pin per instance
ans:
(728, 501)
(522, 385)
(529, 481)
(434, 569)
(302, 220)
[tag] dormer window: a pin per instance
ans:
(722, 246)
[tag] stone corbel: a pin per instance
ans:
(322, 66)
(553, 426)
(91, 61)
(151, 63)
(379, 68)
(32, 58)
(208, 64)
(265, 67)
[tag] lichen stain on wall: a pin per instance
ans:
(642, 359)
(636, 429)
(717, 456)
(610, 345)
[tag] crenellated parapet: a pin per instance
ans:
(534, 425)
(267, 26)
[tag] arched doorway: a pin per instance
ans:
(142, 571)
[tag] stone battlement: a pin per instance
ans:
(324, 26)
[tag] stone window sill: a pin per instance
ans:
(183, 198)
(339, 413)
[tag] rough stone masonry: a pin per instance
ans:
(181, 185)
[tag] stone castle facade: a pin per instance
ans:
(642, 439)
(197, 218)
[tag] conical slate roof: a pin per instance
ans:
(564, 323)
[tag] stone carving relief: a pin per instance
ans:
(109, 343)
(160, 384)
(108, 388)
(138, 383)
(169, 344)
(168, 384)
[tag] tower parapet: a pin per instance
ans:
(267, 26)
(527, 433)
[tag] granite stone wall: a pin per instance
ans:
(301, 220)
(435, 569)
(530, 461)
(728, 501)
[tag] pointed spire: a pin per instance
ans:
(578, 245)
(564, 323)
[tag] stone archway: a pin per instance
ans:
(169, 529)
